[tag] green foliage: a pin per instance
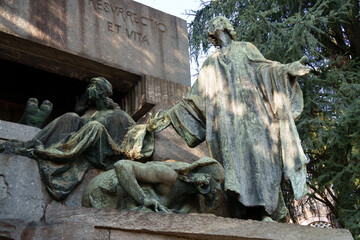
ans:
(328, 33)
(330, 129)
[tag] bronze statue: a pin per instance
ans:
(70, 145)
(171, 187)
(244, 106)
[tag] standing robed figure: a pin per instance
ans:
(244, 106)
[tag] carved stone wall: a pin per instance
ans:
(120, 40)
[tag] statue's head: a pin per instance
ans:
(206, 174)
(213, 174)
(99, 87)
(220, 23)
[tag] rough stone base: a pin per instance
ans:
(62, 222)
(22, 194)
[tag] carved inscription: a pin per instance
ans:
(136, 36)
(125, 17)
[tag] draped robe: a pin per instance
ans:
(70, 146)
(244, 106)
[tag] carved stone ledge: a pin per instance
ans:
(16, 131)
(79, 223)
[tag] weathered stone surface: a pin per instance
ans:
(11, 228)
(110, 35)
(78, 223)
(23, 197)
(10, 130)
(22, 194)
(151, 91)
(169, 145)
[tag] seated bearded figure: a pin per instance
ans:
(71, 145)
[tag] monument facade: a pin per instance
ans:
(124, 35)
(142, 54)
(123, 41)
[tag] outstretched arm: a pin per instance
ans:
(298, 69)
(159, 122)
(130, 172)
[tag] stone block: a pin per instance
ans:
(15, 131)
(169, 145)
(11, 228)
(22, 194)
(151, 92)
(120, 40)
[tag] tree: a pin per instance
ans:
(328, 33)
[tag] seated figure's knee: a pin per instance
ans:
(69, 115)
(68, 118)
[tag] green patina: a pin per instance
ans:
(244, 106)
(171, 187)
(71, 145)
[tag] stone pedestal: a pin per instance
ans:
(61, 222)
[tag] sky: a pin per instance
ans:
(177, 8)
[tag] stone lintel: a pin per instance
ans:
(53, 60)
(78, 37)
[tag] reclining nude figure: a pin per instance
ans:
(170, 186)
(71, 145)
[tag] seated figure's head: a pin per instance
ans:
(99, 87)
(220, 23)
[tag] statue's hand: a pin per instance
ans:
(156, 205)
(159, 122)
(32, 106)
(81, 104)
(298, 69)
